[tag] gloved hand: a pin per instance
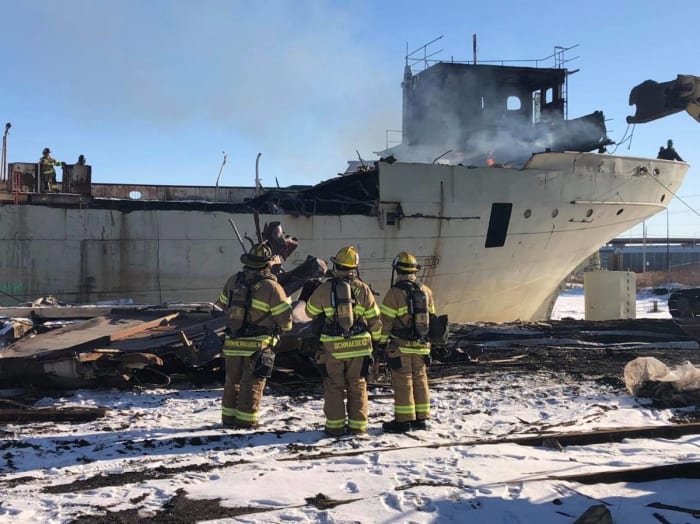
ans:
(263, 362)
(379, 351)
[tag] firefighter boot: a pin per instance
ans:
(418, 425)
(396, 427)
(334, 432)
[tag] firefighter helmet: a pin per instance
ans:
(406, 262)
(346, 258)
(45, 151)
(258, 257)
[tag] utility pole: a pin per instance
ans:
(644, 246)
(3, 156)
(668, 253)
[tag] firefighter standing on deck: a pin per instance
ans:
(47, 170)
(405, 311)
(258, 308)
(669, 152)
(350, 325)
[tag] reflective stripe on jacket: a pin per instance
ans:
(395, 315)
(247, 346)
(270, 309)
(46, 165)
(365, 309)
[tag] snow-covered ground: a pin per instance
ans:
(171, 441)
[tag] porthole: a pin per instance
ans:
(589, 213)
(555, 212)
(663, 197)
(135, 195)
(528, 213)
(513, 103)
(619, 211)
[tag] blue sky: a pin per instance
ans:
(154, 91)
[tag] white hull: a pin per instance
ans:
(576, 202)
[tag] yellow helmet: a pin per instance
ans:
(406, 262)
(258, 257)
(346, 258)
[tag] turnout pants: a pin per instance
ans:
(242, 393)
(410, 383)
(341, 375)
(47, 181)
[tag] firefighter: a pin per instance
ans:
(350, 325)
(669, 152)
(47, 170)
(406, 312)
(258, 310)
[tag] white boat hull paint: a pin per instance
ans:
(565, 206)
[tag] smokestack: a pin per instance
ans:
(474, 47)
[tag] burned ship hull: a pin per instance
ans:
(494, 243)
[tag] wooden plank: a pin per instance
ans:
(602, 436)
(672, 431)
(660, 505)
(65, 414)
(684, 470)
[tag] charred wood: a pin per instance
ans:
(688, 470)
(17, 415)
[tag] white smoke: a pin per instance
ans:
(271, 74)
(460, 117)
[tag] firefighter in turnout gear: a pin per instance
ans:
(47, 170)
(350, 325)
(406, 312)
(258, 309)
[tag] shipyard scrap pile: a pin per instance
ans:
(127, 346)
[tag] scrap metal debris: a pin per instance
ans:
(116, 349)
(355, 193)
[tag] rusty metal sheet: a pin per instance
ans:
(82, 335)
(77, 179)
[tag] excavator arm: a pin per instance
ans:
(656, 100)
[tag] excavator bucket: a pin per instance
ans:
(656, 100)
